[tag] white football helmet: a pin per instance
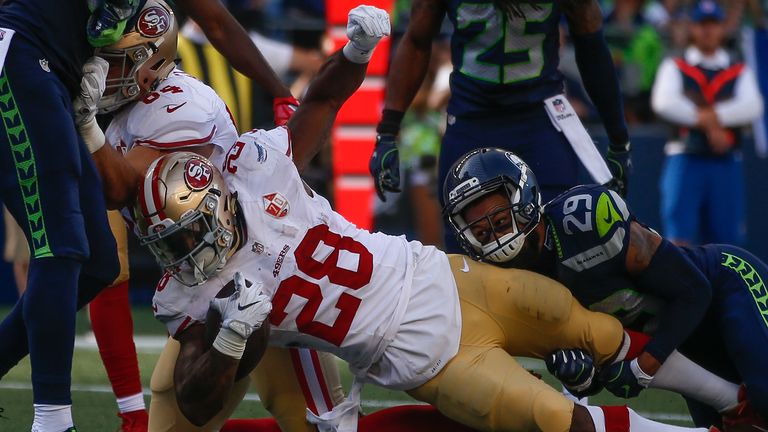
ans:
(144, 55)
(187, 217)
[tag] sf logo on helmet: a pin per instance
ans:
(198, 174)
(153, 22)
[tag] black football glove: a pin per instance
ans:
(624, 379)
(620, 163)
(385, 165)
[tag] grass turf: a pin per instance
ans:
(95, 408)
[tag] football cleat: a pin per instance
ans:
(743, 417)
(134, 421)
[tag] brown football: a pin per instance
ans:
(257, 342)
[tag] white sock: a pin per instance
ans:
(598, 418)
(638, 423)
(626, 342)
(680, 375)
(583, 401)
(131, 403)
(52, 418)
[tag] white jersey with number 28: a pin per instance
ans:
(387, 306)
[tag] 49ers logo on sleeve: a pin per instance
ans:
(198, 174)
(153, 22)
(276, 205)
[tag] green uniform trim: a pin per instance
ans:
(752, 280)
(26, 171)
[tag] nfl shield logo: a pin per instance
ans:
(276, 205)
(559, 105)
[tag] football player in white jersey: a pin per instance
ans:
(256, 243)
(185, 114)
(389, 307)
(165, 113)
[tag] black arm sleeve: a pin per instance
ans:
(672, 277)
(598, 73)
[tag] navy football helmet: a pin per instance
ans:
(479, 173)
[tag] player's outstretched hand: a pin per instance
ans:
(625, 379)
(245, 310)
(92, 87)
(385, 165)
(620, 163)
(365, 28)
(575, 368)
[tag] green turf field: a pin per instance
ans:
(95, 408)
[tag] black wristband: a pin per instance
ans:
(390, 122)
(618, 148)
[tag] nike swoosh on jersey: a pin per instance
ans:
(172, 108)
(465, 269)
(244, 307)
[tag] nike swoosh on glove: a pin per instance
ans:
(625, 379)
(245, 310)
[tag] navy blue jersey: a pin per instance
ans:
(587, 238)
(588, 235)
(55, 27)
(502, 62)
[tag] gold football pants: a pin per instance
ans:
(120, 232)
(506, 313)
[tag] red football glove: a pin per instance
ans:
(284, 107)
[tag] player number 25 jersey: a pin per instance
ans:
(503, 60)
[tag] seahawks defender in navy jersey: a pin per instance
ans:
(52, 189)
(709, 302)
(506, 83)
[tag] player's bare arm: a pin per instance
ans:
(205, 371)
(310, 126)
(122, 175)
(121, 178)
(643, 243)
(411, 61)
(584, 16)
(202, 377)
(339, 77)
(232, 41)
